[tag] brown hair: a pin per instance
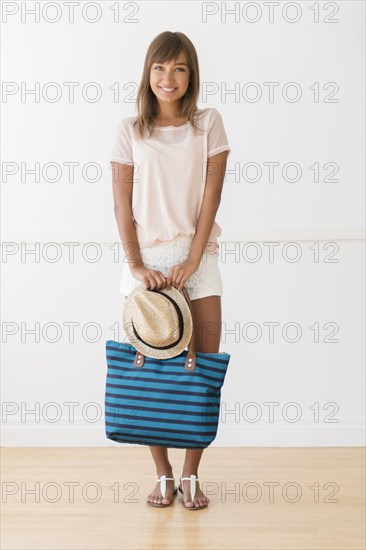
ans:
(166, 46)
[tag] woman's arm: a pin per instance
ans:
(216, 167)
(122, 177)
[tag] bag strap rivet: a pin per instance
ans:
(139, 360)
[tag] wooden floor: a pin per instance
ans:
(316, 500)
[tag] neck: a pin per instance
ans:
(169, 112)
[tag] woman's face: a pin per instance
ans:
(169, 81)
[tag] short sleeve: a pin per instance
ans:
(122, 147)
(216, 138)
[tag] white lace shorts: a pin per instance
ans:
(205, 281)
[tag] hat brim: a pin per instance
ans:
(145, 349)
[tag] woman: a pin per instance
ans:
(170, 161)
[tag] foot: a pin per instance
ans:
(156, 496)
(200, 498)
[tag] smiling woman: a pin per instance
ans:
(170, 232)
(169, 87)
(171, 80)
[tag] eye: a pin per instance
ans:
(177, 69)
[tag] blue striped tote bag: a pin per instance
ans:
(171, 402)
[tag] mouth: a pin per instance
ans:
(167, 91)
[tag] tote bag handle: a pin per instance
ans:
(190, 363)
(191, 355)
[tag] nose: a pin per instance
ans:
(169, 76)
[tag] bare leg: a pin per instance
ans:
(207, 325)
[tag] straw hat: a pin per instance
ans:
(158, 322)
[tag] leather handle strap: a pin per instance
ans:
(190, 363)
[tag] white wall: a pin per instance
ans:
(321, 293)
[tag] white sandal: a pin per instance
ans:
(163, 480)
(193, 480)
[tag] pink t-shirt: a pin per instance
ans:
(169, 174)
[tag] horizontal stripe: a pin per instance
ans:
(158, 429)
(211, 360)
(149, 439)
(161, 390)
(166, 364)
(158, 441)
(164, 399)
(156, 381)
(128, 368)
(151, 420)
(176, 426)
(166, 410)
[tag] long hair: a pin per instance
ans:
(163, 48)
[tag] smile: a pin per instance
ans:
(167, 90)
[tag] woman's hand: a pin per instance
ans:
(151, 278)
(180, 273)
